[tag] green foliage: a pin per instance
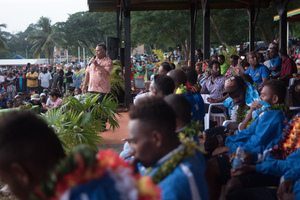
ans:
(160, 54)
(162, 29)
(87, 29)
(77, 121)
(3, 39)
(44, 39)
(116, 79)
(231, 51)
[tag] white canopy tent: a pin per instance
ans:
(22, 62)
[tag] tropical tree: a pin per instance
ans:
(44, 39)
(87, 29)
(3, 40)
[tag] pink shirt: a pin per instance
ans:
(100, 75)
(57, 102)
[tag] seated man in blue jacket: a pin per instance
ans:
(290, 187)
(264, 129)
(153, 143)
(281, 159)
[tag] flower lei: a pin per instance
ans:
(168, 167)
(83, 166)
(282, 106)
(241, 113)
(290, 142)
(186, 88)
(183, 88)
(191, 130)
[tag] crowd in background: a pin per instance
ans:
(43, 86)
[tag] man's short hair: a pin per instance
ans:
(27, 139)
(234, 57)
(156, 114)
(61, 72)
(234, 83)
(191, 76)
(198, 64)
(260, 56)
(278, 88)
(221, 56)
(283, 51)
(199, 50)
(164, 84)
(181, 106)
(166, 66)
(247, 77)
(213, 57)
(211, 64)
(178, 76)
(103, 46)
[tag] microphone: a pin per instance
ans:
(92, 60)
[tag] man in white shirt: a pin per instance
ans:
(45, 80)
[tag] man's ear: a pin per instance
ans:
(275, 99)
(20, 174)
(156, 138)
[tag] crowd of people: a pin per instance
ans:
(164, 130)
(252, 89)
(43, 86)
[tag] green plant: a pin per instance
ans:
(116, 79)
(77, 121)
(231, 51)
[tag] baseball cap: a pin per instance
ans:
(35, 97)
(233, 83)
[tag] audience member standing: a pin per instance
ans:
(45, 80)
(150, 69)
(77, 78)
(69, 76)
(32, 80)
(21, 81)
(58, 81)
(11, 85)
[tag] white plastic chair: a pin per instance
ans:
(210, 114)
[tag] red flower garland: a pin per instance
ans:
(290, 142)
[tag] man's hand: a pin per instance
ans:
(285, 187)
(232, 126)
(83, 90)
(241, 170)
(147, 84)
(220, 150)
(255, 105)
(210, 100)
(248, 157)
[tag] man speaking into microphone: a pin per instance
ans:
(98, 73)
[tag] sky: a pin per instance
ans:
(18, 14)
